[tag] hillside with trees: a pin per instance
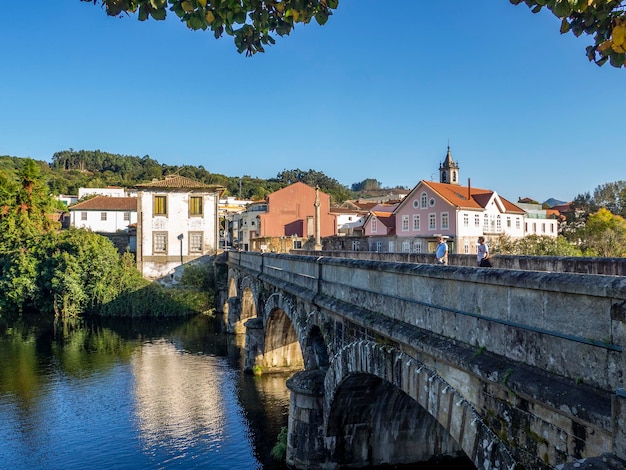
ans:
(73, 169)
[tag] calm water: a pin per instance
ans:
(124, 395)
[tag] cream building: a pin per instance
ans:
(178, 222)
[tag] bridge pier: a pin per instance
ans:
(305, 436)
(233, 313)
(253, 353)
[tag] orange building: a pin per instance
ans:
(291, 212)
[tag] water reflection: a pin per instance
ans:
(130, 395)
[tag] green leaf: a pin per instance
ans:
(321, 17)
(564, 26)
(333, 3)
(159, 14)
(562, 8)
(143, 12)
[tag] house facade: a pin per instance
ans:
(245, 225)
(540, 221)
(459, 213)
(104, 214)
(291, 213)
(178, 222)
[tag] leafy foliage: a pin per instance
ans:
(604, 235)
(605, 19)
(535, 245)
(251, 23)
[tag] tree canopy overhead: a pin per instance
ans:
(604, 19)
(250, 22)
(253, 22)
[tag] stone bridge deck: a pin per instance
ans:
(510, 367)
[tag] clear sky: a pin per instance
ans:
(378, 92)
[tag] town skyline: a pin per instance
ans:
(522, 109)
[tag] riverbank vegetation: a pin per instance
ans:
(74, 272)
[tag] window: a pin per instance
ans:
(466, 220)
(297, 244)
(195, 206)
(432, 202)
(416, 223)
(517, 223)
(355, 245)
(477, 221)
(126, 216)
(159, 242)
(551, 228)
(508, 222)
(379, 247)
(416, 204)
(466, 247)
(432, 221)
(417, 246)
(83, 216)
(543, 227)
(445, 221)
(103, 216)
(392, 247)
(406, 246)
(498, 223)
(486, 222)
(159, 205)
(424, 201)
(405, 223)
(195, 242)
(374, 225)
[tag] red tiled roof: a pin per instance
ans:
(179, 182)
(386, 218)
(468, 197)
(107, 203)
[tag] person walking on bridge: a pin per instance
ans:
(441, 253)
(482, 253)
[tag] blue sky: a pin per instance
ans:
(378, 92)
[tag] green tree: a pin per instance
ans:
(604, 235)
(368, 184)
(251, 23)
(604, 19)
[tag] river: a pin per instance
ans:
(134, 395)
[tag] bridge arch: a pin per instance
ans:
(384, 406)
(281, 342)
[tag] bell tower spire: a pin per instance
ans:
(449, 170)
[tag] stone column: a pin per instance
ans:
(305, 434)
(253, 354)
(318, 223)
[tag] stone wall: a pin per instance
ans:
(557, 264)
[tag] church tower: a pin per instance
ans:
(448, 170)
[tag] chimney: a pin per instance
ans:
(469, 189)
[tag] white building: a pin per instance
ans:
(537, 221)
(349, 221)
(245, 225)
(104, 214)
(178, 222)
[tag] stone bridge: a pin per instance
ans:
(402, 362)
